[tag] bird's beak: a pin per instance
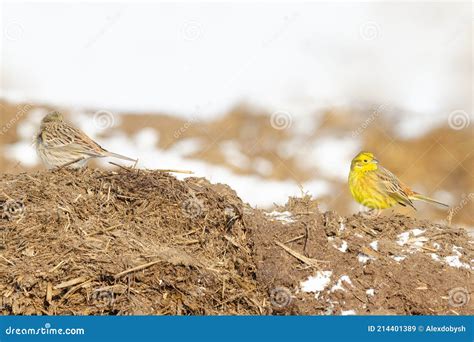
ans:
(375, 161)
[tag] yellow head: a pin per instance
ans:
(53, 117)
(364, 161)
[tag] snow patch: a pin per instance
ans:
(374, 245)
(453, 260)
(417, 231)
(363, 258)
(343, 247)
(348, 312)
(403, 238)
(316, 283)
(399, 258)
(283, 216)
(413, 238)
(338, 285)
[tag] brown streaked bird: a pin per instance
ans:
(59, 144)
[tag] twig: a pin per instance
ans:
(10, 262)
(126, 197)
(295, 238)
(7, 196)
(74, 289)
(33, 179)
(49, 292)
(368, 230)
(120, 166)
(176, 171)
(70, 282)
(190, 232)
(232, 241)
(57, 266)
(188, 242)
(441, 233)
(370, 252)
(231, 299)
(137, 268)
(17, 165)
(360, 299)
(69, 163)
(300, 257)
(117, 288)
(105, 230)
(161, 170)
(450, 216)
(306, 238)
(429, 249)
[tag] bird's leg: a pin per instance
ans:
(368, 212)
(70, 163)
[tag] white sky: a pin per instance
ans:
(202, 59)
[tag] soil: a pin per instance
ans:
(127, 241)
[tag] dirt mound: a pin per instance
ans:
(366, 264)
(143, 242)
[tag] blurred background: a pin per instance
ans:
(272, 99)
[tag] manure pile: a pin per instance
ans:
(96, 242)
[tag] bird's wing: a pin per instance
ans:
(64, 136)
(394, 187)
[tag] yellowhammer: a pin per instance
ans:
(60, 144)
(377, 188)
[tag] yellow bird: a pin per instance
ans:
(377, 188)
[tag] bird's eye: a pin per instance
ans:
(365, 160)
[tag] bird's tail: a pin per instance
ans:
(420, 197)
(119, 156)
